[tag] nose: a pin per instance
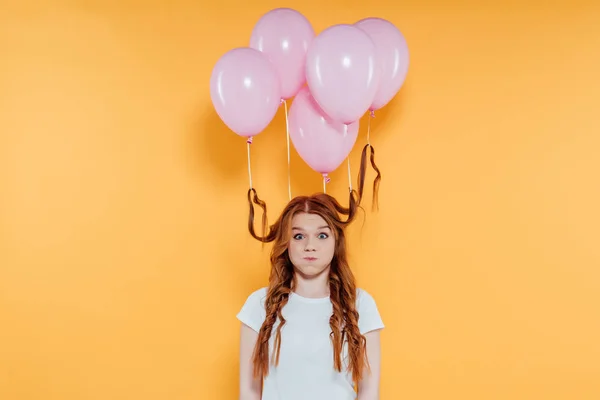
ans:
(309, 245)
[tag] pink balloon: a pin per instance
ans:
(392, 55)
(342, 72)
(284, 35)
(321, 142)
(245, 90)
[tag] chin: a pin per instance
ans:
(311, 270)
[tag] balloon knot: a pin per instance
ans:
(372, 113)
(326, 178)
(249, 141)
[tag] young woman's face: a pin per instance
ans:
(312, 245)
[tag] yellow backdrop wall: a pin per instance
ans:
(124, 253)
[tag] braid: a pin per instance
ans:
(344, 324)
(336, 321)
(277, 298)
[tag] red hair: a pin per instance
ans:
(362, 171)
(342, 285)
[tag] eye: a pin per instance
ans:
(323, 236)
(298, 236)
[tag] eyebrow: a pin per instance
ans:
(295, 228)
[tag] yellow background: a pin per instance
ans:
(124, 253)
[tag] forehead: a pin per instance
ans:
(308, 221)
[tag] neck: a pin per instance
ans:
(312, 286)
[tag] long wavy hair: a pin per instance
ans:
(342, 285)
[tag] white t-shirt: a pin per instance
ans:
(305, 370)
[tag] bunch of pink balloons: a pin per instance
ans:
(334, 77)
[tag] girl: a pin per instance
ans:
(311, 334)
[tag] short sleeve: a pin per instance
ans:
(253, 311)
(368, 314)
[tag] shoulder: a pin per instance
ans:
(363, 297)
(369, 318)
(257, 297)
(253, 310)
(259, 293)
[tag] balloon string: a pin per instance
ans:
(371, 116)
(326, 180)
(349, 175)
(287, 130)
(248, 143)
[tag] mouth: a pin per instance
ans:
(310, 258)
